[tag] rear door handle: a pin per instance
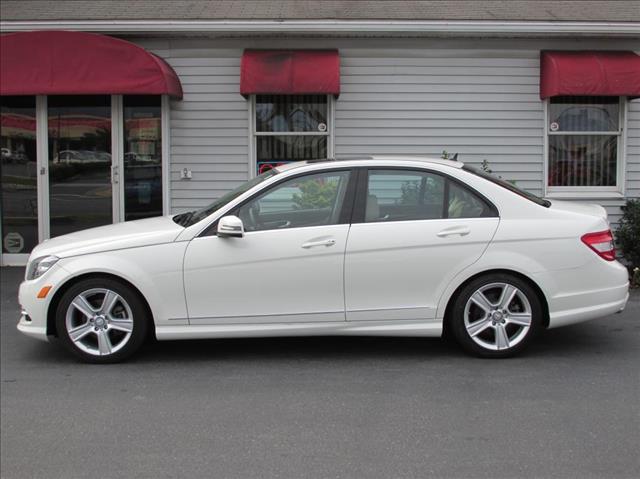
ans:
(455, 230)
(312, 244)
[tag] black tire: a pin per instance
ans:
(520, 337)
(137, 310)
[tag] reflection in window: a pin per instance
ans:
(401, 195)
(19, 198)
(583, 141)
(311, 200)
(142, 157)
(584, 113)
(277, 113)
(290, 128)
(462, 203)
(404, 195)
(79, 163)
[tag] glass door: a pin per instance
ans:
(100, 161)
(80, 164)
(18, 170)
(142, 157)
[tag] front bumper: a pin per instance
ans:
(26, 326)
(33, 318)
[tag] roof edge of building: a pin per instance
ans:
(331, 27)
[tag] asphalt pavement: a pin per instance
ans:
(324, 407)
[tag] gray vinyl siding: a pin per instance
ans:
(633, 149)
(478, 104)
(209, 127)
(477, 98)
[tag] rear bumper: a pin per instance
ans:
(596, 305)
(597, 289)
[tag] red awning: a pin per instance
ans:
(290, 72)
(78, 63)
(575, 73)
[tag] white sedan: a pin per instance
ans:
(394, 246)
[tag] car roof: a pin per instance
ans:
(382, 160)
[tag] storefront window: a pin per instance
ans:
(142, 157)
(584, 133)
(18, 170)
(290, 128)
(80, 191)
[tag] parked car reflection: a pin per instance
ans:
(11, 156)
(82, 156)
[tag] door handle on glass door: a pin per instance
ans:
(311, 244)
(455, 230)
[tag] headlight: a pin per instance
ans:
(40, 266)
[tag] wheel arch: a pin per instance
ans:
(454, 296)
(55, 300)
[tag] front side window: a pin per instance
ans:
(192, 217)
(310, 200)
(290, 128)
(583, 136)
(404, 195)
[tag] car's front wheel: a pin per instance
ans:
(496, 315)
(101, 320)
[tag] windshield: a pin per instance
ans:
(192, 217)
(509, 186)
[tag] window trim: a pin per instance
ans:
(588, 192)
(346, 212)
(360, 203)
(253, 133)
(165, 125)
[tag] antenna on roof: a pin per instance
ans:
(454, 157)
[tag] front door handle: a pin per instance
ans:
(455, 230)
(311, 244)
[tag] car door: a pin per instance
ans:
(289, 265)
(413, 231)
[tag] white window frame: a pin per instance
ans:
(591, 192)
(253, 133)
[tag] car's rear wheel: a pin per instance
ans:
(496, 315)
(101, 320)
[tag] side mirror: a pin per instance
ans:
(230, 226)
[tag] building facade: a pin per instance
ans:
(550, 105)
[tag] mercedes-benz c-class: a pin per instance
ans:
(396, 246)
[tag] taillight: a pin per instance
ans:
(601, 243)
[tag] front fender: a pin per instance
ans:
(156, 271)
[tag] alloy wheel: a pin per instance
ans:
(99, 321)
(498, 316)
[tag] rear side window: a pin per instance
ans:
(509, 186)
(462, 203)
(404, 195)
